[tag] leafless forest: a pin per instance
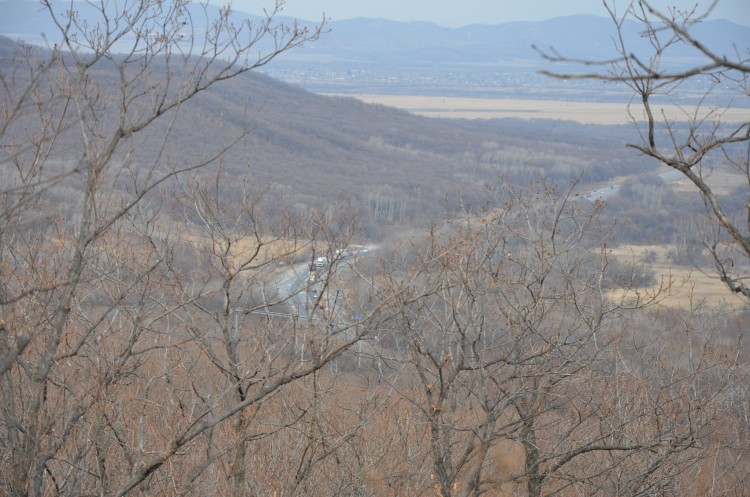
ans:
(199, 296)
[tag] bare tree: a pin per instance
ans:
(129, 355)
(511, 351)
(703, 139)
(252, 332)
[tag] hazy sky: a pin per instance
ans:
(454, 13)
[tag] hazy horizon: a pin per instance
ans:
(448, 14)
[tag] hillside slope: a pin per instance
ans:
(314, 150)
(321, 148)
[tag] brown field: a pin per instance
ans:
(722, 181)
(267, 250)
(689, 287)
(493, 108)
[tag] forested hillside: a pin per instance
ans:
(311, 150)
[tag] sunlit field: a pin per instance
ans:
(493, 108)
(684, 286)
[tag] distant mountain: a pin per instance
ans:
(381, 56)
(379, 43)
(376, 41)
(490, 61)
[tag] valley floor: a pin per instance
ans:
(494, 108)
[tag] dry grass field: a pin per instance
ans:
(686, 287)
(494, 108)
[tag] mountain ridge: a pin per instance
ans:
(368, 42)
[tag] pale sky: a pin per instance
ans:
(453, 13)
